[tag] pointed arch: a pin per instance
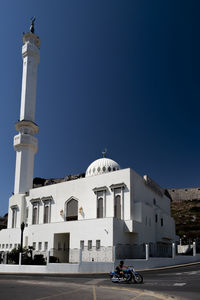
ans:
(71, 209)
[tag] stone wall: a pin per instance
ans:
(184, 194)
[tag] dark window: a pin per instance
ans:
(154, 201)
(98, 244)
(100, 208)
(161, 221)
(14, 217)
(156, 218)
(35, 214)
(89, 245)
(82, 245)
(46, 213)
(117, 207)
(72, 210)
(45, 246)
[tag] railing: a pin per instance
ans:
(102, 254)
(126, 251)
(160, 250)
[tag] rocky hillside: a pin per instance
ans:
(185, 209)
(3, 222)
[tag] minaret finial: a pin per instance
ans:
(104, 152)
(32, 29)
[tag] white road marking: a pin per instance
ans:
(179, 284)
(94, 281)
(188, 273)
(193, 273)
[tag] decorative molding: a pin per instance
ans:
(27, 123)
(100, 189)
(117, 186)
(15, 206)
(72, 197)
(36, 200)
(44, 199)
(80, 210)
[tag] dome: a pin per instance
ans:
(101, 166)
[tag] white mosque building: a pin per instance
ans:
(105, 207)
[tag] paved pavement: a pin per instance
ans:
(59, 290)
(174, 283)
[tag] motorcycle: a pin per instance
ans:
(129, 275)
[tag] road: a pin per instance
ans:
(177, 283)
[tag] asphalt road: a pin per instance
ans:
(177, 283)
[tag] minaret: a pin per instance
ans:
(25, 144)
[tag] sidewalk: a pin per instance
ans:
(98, 267)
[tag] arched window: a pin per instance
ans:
(100, 208)
(14, 217)
(46, 213)
(72, 210)
(35, 217)
(118, 207)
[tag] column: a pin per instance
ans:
(25, 144)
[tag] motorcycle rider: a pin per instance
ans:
(120, 268)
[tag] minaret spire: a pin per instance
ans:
(104, 152)
(32, 29)
(25, 144)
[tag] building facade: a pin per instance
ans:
(105, 207)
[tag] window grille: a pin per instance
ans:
(72, 210)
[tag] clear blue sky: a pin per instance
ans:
(119, 74)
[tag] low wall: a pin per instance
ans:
(96, 267)
(184, 248)
(99, 267)
(156, 262)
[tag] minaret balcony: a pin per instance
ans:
(22, 141)
(28, 125)
(30, 37)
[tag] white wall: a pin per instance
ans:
(144, 211)
(139, 212)
(82, 189)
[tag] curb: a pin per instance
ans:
(170, 267)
